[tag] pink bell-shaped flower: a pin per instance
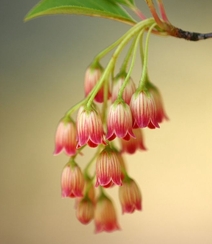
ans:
(129, 90)
(89, 127)
(105, 218)
(130, 196)
(92, 77)
(72, 181)
(143, 110)
(65, 138)
(160, 112)
(119, 121)
(108, 168)
(85, 210)
(133, 144)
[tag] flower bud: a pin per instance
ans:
(85, 210)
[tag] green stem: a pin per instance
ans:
(91, 161)
(88, 187)
(144, 71)
(72, 162)
(104, 107)
(127, 58)
(141, 50)
(133, 31)
(102, 192)
(78, 151)
(110, 48)
(74, 108)
(135, 45)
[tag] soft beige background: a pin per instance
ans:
(42, 66)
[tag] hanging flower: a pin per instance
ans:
(85, 210)
(92, 77)
(130, 196)
(65, 138)
(108, 168)
(160, 112)
(143, 110)
(105, 215)
(129, 90)
(133, 144)
(89, 127)
(122, 164)
(72, 181)
(121, 116)
(119, 122)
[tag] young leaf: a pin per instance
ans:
(100, 8)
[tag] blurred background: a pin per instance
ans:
(42, 65)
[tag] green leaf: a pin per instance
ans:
(100, 8)
(125, 2)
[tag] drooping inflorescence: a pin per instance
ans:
(114, 109)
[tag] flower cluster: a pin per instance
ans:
(114, 113)
(110, 119)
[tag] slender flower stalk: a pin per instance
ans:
(126, 38)
(121, 91)
(88, 192)
(144, 75)
(135, 29)
(128, 56)
(89, 164)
